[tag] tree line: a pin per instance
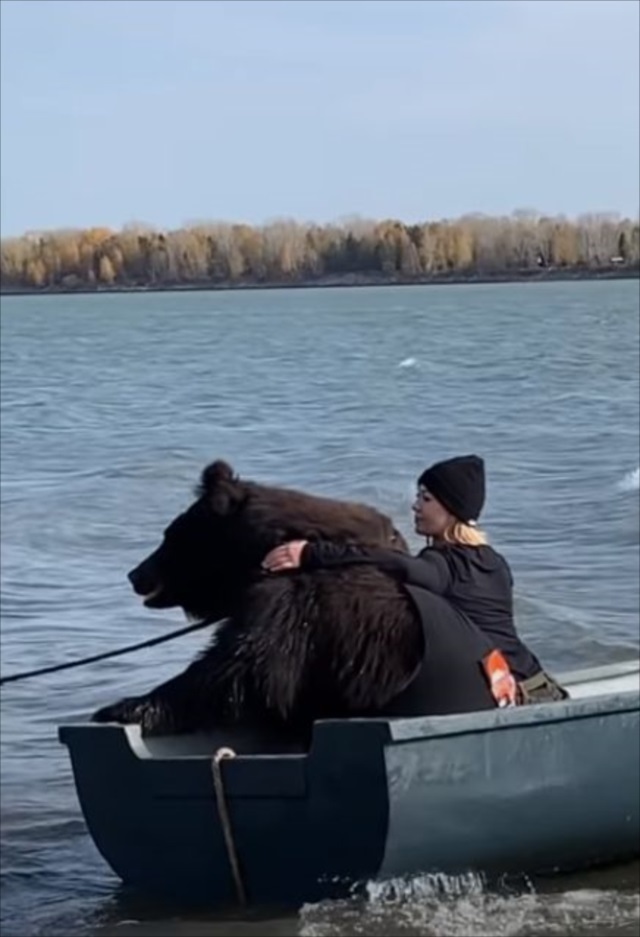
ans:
(287, 252)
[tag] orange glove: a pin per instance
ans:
(504, 688)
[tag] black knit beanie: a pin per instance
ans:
(459, 486)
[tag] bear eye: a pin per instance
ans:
(175, 527)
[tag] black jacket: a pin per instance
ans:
(477, 581)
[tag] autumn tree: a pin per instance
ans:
(285, 251)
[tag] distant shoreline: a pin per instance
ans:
(345, 281)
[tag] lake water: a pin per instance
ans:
(111, 406)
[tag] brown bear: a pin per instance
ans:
(293, 648)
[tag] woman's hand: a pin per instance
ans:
(286, 556)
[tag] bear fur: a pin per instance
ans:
(288, 648)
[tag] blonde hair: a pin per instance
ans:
(464, 535)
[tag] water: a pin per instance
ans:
(111, 405)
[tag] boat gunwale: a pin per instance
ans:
(392, 731)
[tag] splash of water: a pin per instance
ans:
(439, 906)
(631, 481)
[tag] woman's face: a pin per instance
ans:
(430, 518)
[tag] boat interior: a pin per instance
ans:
(611, 679)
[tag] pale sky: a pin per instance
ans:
(170, 111)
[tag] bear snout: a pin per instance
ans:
(144, 579)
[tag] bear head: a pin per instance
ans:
(212, 552)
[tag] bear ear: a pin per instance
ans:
(220, 486)
(219, 471)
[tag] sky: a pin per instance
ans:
(175, 111)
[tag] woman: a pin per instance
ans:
(457, 563)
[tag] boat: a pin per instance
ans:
(225, 817)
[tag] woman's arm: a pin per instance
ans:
(429, 571)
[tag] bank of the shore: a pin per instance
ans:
(345, 281)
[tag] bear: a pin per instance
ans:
(288, 648)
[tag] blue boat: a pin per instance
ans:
(221, 817)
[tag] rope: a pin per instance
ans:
(25, 675)
(225, 820)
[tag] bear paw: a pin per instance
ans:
(150, 715)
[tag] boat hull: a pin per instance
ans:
(534, 789)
